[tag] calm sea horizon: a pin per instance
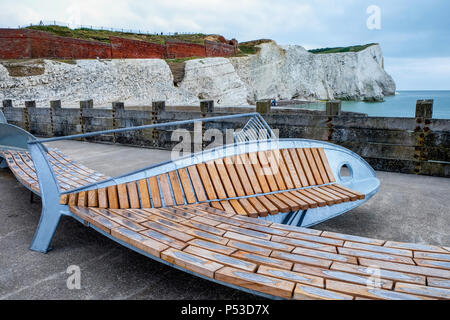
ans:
(403, 104)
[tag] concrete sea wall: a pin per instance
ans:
(418, 145)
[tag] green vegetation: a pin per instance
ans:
(103, 35)
(250, 47)
(342, 49)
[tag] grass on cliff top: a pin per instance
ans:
(342, 49)
(103, 35)
(250, 47)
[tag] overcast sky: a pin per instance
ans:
(414, 34)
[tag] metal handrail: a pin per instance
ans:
(261, 120)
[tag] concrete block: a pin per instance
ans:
(118, 106)
(207, 106)
(30, 104)
(424, 109)
(333, 108)
(7, 103)
(263, 106)
(87, 104)
(158, 106)
(55, 104)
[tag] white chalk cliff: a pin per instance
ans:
(283, 72)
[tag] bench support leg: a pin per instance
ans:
(3, 163)
(46, 229)
(51, 209)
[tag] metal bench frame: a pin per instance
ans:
(245, 141)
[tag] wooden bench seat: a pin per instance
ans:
(70, 174)
(255, 184)
(274, 259)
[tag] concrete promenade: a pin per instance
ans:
(407, 208)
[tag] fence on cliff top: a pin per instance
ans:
(92, 27)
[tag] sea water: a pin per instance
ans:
(403, 104)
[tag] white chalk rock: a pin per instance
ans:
(291, 72)
(283, 72)
(214, 79)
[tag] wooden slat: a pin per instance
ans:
(123, 196)
(259, 172)
(82, 199)
(291, 276)
(274, 163)
(438, 293)
(337, 199)
(165, 189)
(256, 241)
(244, 179)
(353, 197)
(311, 203)
(187, 187)
(139, 241)
(305, 192)
(234, 262)
(234, 177)
(305, 292)
(302, 204)
(191, 262)
(313, 166)
(414, 246)
(324, 159)
(113, 201)
(329, 201)
(237, 207)
(262, 260)
(343, 197)
(259, 207)
(426, 271)
(176, 188)
(367, 292)
(144, 195)
(223, 205)
(340, 236)
(216, 180)
(249, 248)
(249, 208)
(320, 166)
(226, 181)
(381, 249)
(281, 205)
(314, 238)
(283, 170)
(207, 183)
(304, 164)
(341, 276)
(261, 283)
(103, 198)
(305, 244)
(325, 255)
(176, 234)
(271, 208)
(291, 168)
(246, 163)
(154, 190)
(267, 171)
(64, 199)
(293, 205)
(358, 194)
(93, 198)
(245, 231)
(385, 274)
(197, 183)
(213, 246)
